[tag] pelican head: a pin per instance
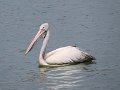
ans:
(44, 26)
(41, 33)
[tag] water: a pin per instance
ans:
(92, 25)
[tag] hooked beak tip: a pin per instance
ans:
(26, 53)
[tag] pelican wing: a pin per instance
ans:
(66, 54)
(56, 50)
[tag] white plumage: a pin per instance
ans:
(60, 56)
(66, 54)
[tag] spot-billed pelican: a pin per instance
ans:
(60, 56)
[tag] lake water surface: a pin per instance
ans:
(93, 25)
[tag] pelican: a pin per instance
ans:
(60, 56)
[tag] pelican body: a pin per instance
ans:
(60, 56)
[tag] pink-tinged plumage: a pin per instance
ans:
(60, 56)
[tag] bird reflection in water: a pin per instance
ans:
(63, 77)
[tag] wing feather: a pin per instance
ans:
(66, 54)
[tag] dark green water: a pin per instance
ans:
(94, 25)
